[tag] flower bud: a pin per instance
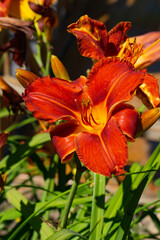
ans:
(58, 68)
(25, 77)
(4, 86)
(147, 119)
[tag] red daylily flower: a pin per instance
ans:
(97, 119)
(95, 42)
(4, 5)
(93, 39)
(150, 52)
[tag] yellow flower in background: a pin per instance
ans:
(21, 9)
(38, 11)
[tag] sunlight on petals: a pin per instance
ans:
(90, 125)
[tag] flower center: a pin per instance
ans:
(92, 118)
(87, 113)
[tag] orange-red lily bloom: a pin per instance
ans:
(95, 42)
(97, 121)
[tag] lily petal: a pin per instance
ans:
(105, 154)
(51, 99)
(117, 35)
(63, 137)
(127, 118)
(147, 119)
(91, 35)
(93, 39)
(114, 80)
(4, 5)
(151, 49)
(149, 92)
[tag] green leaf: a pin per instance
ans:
(125, 200)
(158, 194)
(65, 234)
(113, 214)
(81, 221)
(20, 124)
(15, 197)
(13, 160)
(26, 209)
(129, 212)
(5, 113)
(40, 209)
(9, 214)
(157, 182)
(97, 213)
(61, 203)
(155, 219)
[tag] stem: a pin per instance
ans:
(48, 59)
(98, 202)
(73, 190)
(39, 57)
(49, 184)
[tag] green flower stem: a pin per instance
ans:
(73, 190)
(50, 182)
(39, 58)
(98, 202)
(48, 59)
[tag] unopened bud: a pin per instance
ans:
(4, 86)
(147, 119)
(58, 68)
(25, 77)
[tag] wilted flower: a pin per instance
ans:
(11, 98)
(17, 45)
